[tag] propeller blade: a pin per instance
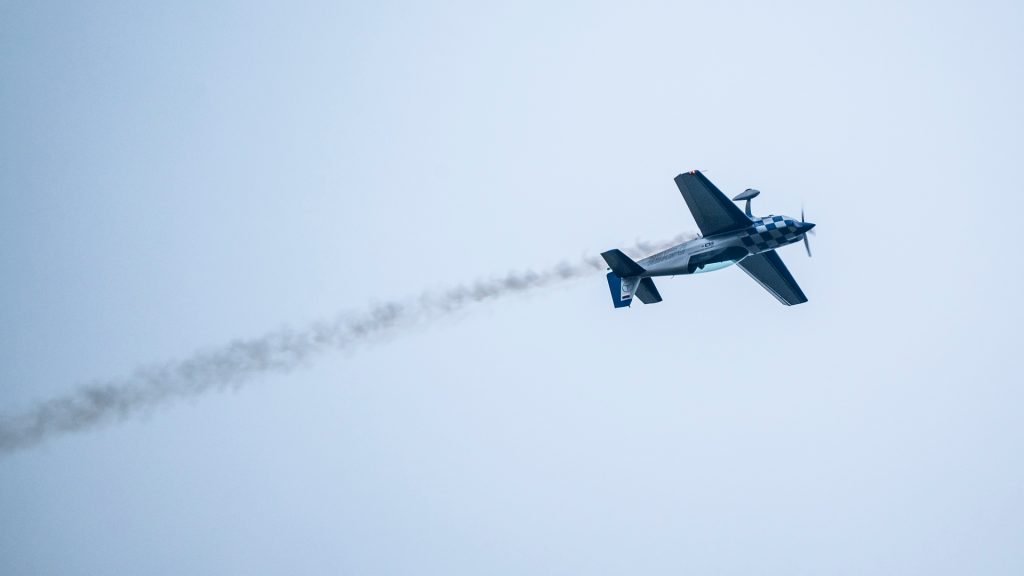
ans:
(807, 245)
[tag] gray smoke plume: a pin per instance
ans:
(234, 364)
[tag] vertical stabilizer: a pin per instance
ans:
(622, 289)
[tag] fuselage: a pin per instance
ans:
(722, 250)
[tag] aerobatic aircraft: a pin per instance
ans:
(728, 236)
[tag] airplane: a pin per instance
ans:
(728, 236)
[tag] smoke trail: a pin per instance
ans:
(232, 365)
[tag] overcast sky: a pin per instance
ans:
(176, 175)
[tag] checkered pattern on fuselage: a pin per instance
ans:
(769, 233)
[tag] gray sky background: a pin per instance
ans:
(176, 175)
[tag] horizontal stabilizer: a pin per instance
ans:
(621, 264)
(647, 292)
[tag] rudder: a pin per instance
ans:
(622, 289)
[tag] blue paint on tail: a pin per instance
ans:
(615, 285)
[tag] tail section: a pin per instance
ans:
(647, 292)
(625, 280)
(621, 264)
(622, 289)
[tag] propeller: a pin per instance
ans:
(807, 243)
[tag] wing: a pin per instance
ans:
(713, 212)
(769, 271)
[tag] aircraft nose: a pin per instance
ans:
(808, 226)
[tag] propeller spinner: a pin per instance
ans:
(809, 228)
